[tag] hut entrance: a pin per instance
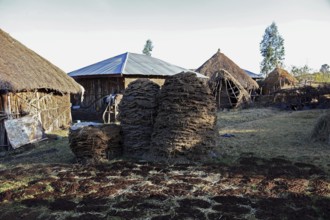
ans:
(229, 93)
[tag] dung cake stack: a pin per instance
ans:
(184, 129)
(92, 144)
(137, 112)
(113, 133)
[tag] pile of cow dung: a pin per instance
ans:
(184, 129)
(137, 111)
(92, 144)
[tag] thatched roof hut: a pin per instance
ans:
(231, 85)
(221, 61)
(23, 69)
(228, 91)
(276, 80)
(33, 87)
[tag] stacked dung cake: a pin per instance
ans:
(92, 144)
(184, 129)
(137, 111)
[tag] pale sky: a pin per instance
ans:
(75, 33)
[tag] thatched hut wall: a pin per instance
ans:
(52, 109)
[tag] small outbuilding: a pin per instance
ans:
(230, 84)
(276, 80)
(32, 88)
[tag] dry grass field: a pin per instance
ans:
(267, 168)
(271, 133)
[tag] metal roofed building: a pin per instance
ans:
(254, 75)
(114, 74)
(129, 64)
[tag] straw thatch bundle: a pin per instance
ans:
(95, 144)
(227, 90)
(137, 111)
(23, 69)
(276, 80)
(221, 61)
(185, 124)
(321, 130)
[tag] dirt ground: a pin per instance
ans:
(266, 168)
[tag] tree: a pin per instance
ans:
(325, 68)
(300, 71)
(272, 49)
(148, 48)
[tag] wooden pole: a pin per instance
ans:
(38, 107)
(9, 107)
(226, 82)
(219, 95)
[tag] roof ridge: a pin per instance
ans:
(125, 62)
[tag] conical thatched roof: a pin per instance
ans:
(278, 74)
(277, 79)
(22, 69)
(220, 61)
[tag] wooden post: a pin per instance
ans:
(219, 95)
(9, 107)
(118, 88)
(231, 104)
(38, 107)
(99, 94)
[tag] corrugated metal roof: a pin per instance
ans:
(112, 65)
(253, 75)
(131, 64)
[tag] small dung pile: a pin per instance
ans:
(184, 129)
(95, 143)
(137, 111)
(321, 130)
